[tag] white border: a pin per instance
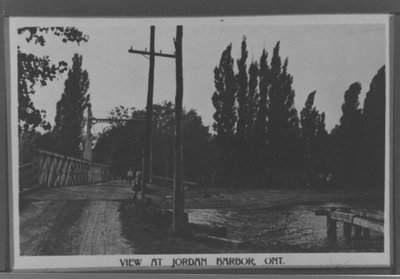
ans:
(113, 261)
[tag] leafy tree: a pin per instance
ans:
(251, 99)
(121, 145)
(29, 142)
(242, 84)
(309, 120)
(195, 143)
(33, 71)
(163, 139)
(260, 125)
(69, 121)
(347, 138)
(308, 117)
(373, 145)
(321, 149)
(314, 140)
(283, 123)
(225, 116)
(224, 97)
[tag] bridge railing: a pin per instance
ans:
(50, 169)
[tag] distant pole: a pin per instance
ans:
(149, 117)
(178, 206)
(87, 154)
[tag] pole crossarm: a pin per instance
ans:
(110, 120)
(143, 52)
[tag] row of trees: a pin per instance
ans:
(260, 137)
(263, 140)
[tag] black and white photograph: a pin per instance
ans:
(190, 143)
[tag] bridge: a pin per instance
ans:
(72, 206)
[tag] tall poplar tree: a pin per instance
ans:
(283, 123)
(373, 146)
(242, 84)
(225, 117)
(69, 120)
(252, 98)
(314, 140)
(309, 121)
(260, 122)
(224, 96)
(347, 138)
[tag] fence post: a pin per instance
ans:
(331, 230)
(347, 228)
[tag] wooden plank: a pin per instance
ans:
(369, 213)
(342, 216)
(354, 219)
(370, 224)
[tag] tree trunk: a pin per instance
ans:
(178, 207)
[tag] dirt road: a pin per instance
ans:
(85, 220)
(76, 220)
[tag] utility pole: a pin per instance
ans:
(178, 206)
(147, 161)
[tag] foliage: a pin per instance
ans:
(67, 34)
(260, 122)
(314, 139)
(242, 84)
(347, 138)
(273, 147)
(252, 99)
(33, 71)
(373, 144)
(225, 116)
(29, 142)
(69, 121)
(121, 145)
(224, 96)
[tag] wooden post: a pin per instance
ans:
(178, 206)
(331, 231)
(347, 228)
(357, 232)
(149, 117)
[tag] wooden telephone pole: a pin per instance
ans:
(147, 160)
(178, 206)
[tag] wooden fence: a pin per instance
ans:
(362, 220)
(50, 169)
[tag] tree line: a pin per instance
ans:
(264, 141)
(121, 144)
(260, 139)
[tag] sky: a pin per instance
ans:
(325, 54)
